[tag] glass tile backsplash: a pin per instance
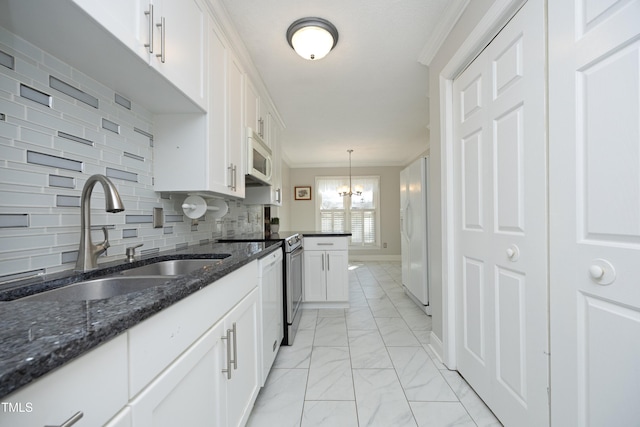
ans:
(59, 128)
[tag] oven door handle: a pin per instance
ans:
(296, 251)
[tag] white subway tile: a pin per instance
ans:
(8, 84)
(43, 261)
(44, 220)
(37, 137)
(9, 244)
(13, 265)
(22, 177)
(26, 199)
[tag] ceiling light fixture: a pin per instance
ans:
(312, 38)
(343, 191)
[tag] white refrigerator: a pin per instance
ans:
(414, 218)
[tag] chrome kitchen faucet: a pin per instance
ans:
(88, 253)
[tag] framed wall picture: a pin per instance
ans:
(302, 193)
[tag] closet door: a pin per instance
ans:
(500, 171)
(594, 131)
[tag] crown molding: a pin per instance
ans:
(449, 18)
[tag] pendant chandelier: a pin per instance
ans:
(348, 192)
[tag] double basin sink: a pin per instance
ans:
(126, 281)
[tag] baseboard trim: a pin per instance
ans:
(357, 258)
(435, 344)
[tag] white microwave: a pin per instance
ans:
(259, 162)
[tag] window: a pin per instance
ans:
(360, 215)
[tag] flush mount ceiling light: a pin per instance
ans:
(312, 38)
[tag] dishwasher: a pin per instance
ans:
(271, 303)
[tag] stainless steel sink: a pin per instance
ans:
(105, 287)
(176, 267)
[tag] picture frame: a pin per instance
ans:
(302, 193)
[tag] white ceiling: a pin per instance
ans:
(369, 94)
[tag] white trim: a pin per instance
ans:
(441, 31)
(436, 346)
(364, 258)
(491, 23)
(322, 305)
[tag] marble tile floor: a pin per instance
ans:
(368, 365)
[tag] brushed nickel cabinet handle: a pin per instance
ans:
(149, 13)
(229, 361)
(163, 32)
(71, 421)
(235, 178)
(235, 346)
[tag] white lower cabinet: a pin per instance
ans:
(94, 385)
(214, 382)
(188, 392)
(326, 263)
(241, 384)
(195, 363)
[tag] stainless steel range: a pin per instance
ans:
(293, 283)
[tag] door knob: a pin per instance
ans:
(513, 253)
(596, 272)
(602, 271)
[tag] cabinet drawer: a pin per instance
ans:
(94, 384)
(325, 244)
(159, 340)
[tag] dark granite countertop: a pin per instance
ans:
(281, 235)
(39, 336)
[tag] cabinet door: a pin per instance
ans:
(218, 162)
(252, 110)
(94, 384)
(182, 26)
(315, 288)
(337, 263)
(243, 386)
(125, 19)
(276, 180)
(237, 138)
(188, 392)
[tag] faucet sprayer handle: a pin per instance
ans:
(105, 244)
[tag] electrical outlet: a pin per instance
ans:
(384, 245)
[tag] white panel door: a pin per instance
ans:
(501, 222)
(594, 130)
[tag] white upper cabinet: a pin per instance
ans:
(179, 34)
(167, 34)
(125, 19)
(270, 195)
(205, 152)
(257, 113)
(252, 108)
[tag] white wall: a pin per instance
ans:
(467, 22)
(39, 205)
(303, 211)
